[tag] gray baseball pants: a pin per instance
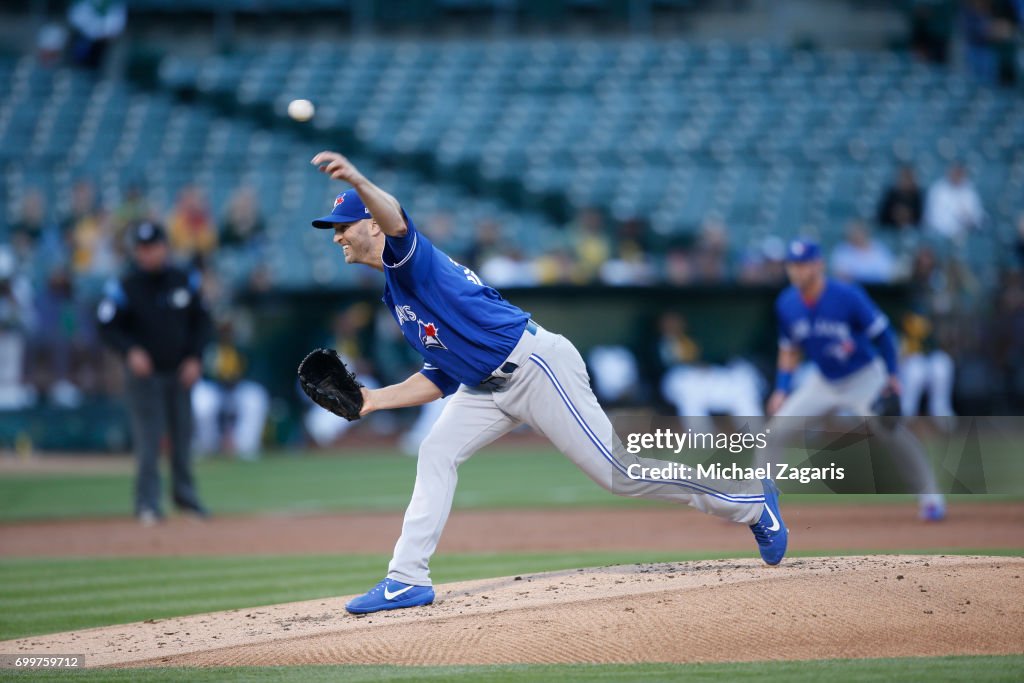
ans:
(854, 394)
(160, 405)
(550, 391)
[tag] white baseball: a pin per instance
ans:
(301, 110)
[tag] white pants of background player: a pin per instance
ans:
(247, 402)
(13, 394)
(551, 392)
(698, 391)
(420, 429)
(930, 373)
(854, 395)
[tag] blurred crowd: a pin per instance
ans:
(987, 30)
(911, 222)
(55, 258)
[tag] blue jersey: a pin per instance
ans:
(463, 329)
(836, 331)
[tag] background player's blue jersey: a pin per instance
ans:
(463, 329)
(836, 331)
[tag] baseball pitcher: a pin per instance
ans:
(501, 368)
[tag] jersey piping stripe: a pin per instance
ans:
(877, 327)
(415, 240)
(732, 498)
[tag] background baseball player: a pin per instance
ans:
(502, 370)
(853, 350)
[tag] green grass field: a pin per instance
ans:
(47, 595)
(360, 481)
(932, 669)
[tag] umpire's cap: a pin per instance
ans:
(149, 233)
(348, 208)
(802, 251)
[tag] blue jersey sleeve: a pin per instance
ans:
(875, 325)
(865, 315)
(785, 340)
(399, 252)
(446, 384)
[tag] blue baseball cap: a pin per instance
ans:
(348, 208)
(802, 251)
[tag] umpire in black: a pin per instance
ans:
(155, 319)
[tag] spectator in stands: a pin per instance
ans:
(632, 240)
(87, 231)
(953, 207)
(191, 227)
(15, 322)
(931, 28)
(51, 42)
(230, 411)
(902, 203)
(630, 264)
(590, 237)
(58, 336)
(990, 28)
(627, 268)
(862, 259)
(94, 250)
(764, 263)
(556, 267)
(711, 253)
(508, 268)
(95, 25)
(84, 208)
(941, 287)
(31, 226)
(678, 270)
(925, 369)
(243, 225)
(134, 209)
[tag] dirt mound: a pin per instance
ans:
(725, 610)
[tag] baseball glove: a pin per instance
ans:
(330, 384)
(887, 408)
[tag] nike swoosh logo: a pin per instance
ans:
(774, 527)
(388, 595)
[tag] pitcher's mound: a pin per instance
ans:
(726, 610)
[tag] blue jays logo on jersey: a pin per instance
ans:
(429, 337)
(842, 345)
(841, 350)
